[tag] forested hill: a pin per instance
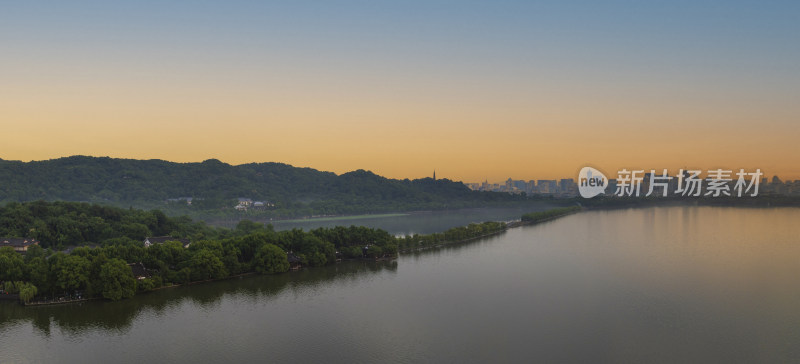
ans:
(215, 186)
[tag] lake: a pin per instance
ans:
(664, 284)
(421, 222)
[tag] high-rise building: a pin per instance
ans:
(547, 186)
(531, 188)
(567, 186)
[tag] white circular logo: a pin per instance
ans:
(591, 182)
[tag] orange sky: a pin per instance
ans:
(503, 99)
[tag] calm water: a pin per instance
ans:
(413, 223)
(677, 284)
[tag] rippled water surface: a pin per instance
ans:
(671, 284)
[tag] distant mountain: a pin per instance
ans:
(215, 186)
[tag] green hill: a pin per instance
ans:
(214, 187)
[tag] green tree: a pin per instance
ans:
(148, 284)
(38, 272)
(10, 287)
(72, 272)
(374, 251)
(12, 266)
(95, 286)
(184, 275)
(205, 264)
(34, 251)
(247, 227)
(231, 257)
(271, 259)
(136, 231)
(27, 292)
(171, 252)
(249, 244)
(116, 280)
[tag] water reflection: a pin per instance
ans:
(673, 284)
(453, 247)
(117, 317)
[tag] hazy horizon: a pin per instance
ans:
(473, 90)
(611, 175)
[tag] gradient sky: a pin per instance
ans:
(476, 90)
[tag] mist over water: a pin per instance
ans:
(421, 222)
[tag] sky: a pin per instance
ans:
(475, 90)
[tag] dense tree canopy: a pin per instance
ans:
(206, 264)
(11, 264)
(116, 280)
(105, 270)
(63, 224)
(214, 185)
(270, 259)
(71, 271)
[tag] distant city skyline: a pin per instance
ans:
(614, 175)
(568, 187)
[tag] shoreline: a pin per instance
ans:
(228, 221)
(509, 225)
